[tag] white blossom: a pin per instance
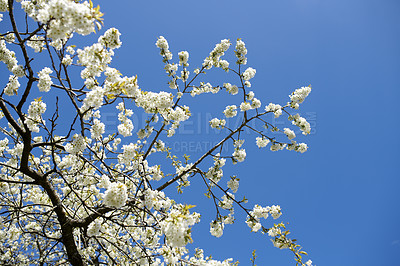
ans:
(275, 108)
(230, 111)
(116, 195)
(110, 39)
(289, 133)
(217, 123)
(232, 89)
(262, 142)
(216, 228)
(239, 155)
(12, 86)
(249, 73)
(45, 82)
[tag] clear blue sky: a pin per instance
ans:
(341, 197)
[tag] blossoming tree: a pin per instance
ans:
(71, 194)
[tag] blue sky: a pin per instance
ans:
(341, 197)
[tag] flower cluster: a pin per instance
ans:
(275, 108)
(289, 133)
(126, 126)
(3, 5)
(67, 60)
(94, 98)
(233, 184)
(183, 58)
(262, 142)
(110, 39)
(45, 82)
(204, 88)
(95, 59)
(114, 84)
(176, 225)
(12, 86)
(258, 212)
(217, 123)
(98, 128)
(239, 155)
(65, 17)
(94, 227)
(77, 146)
(230, 111)
(215, 172)
(298, 96)
(162, 43)
(217, 228)
(116, 195)
(301, 147)
(214, 58)
(129, 152)
(153, 102)
(301, 122)
(35, 111)
(37, 43)
(3, 145)
(232, 89)
(241, 52)
(249, 73)
(8, 57)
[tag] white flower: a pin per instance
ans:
(37, 43)
(275, 211)
(110, 39)
(302, 147)
(298, 96)
(224, 65)
(216, 228)
(66, 17)
(98, 128)
(232, 89)
(289, 133)
(35, 111)
(227, 202)
(249, 73)
(239, 155)
(183, 58)
(277, 146)
(262, 142)
(230, 111)
(255, 103)
(18, 71)
(77, 146)
(250, 95)
(244, 106)
(217, 123)
(274, 231)
(275, 108)
(233, 184)
(302, 123)
(45, 82)
(94, 98)
(116, 195)
(67, 60)
(12, 86)
(241, 52)
(94, 227)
